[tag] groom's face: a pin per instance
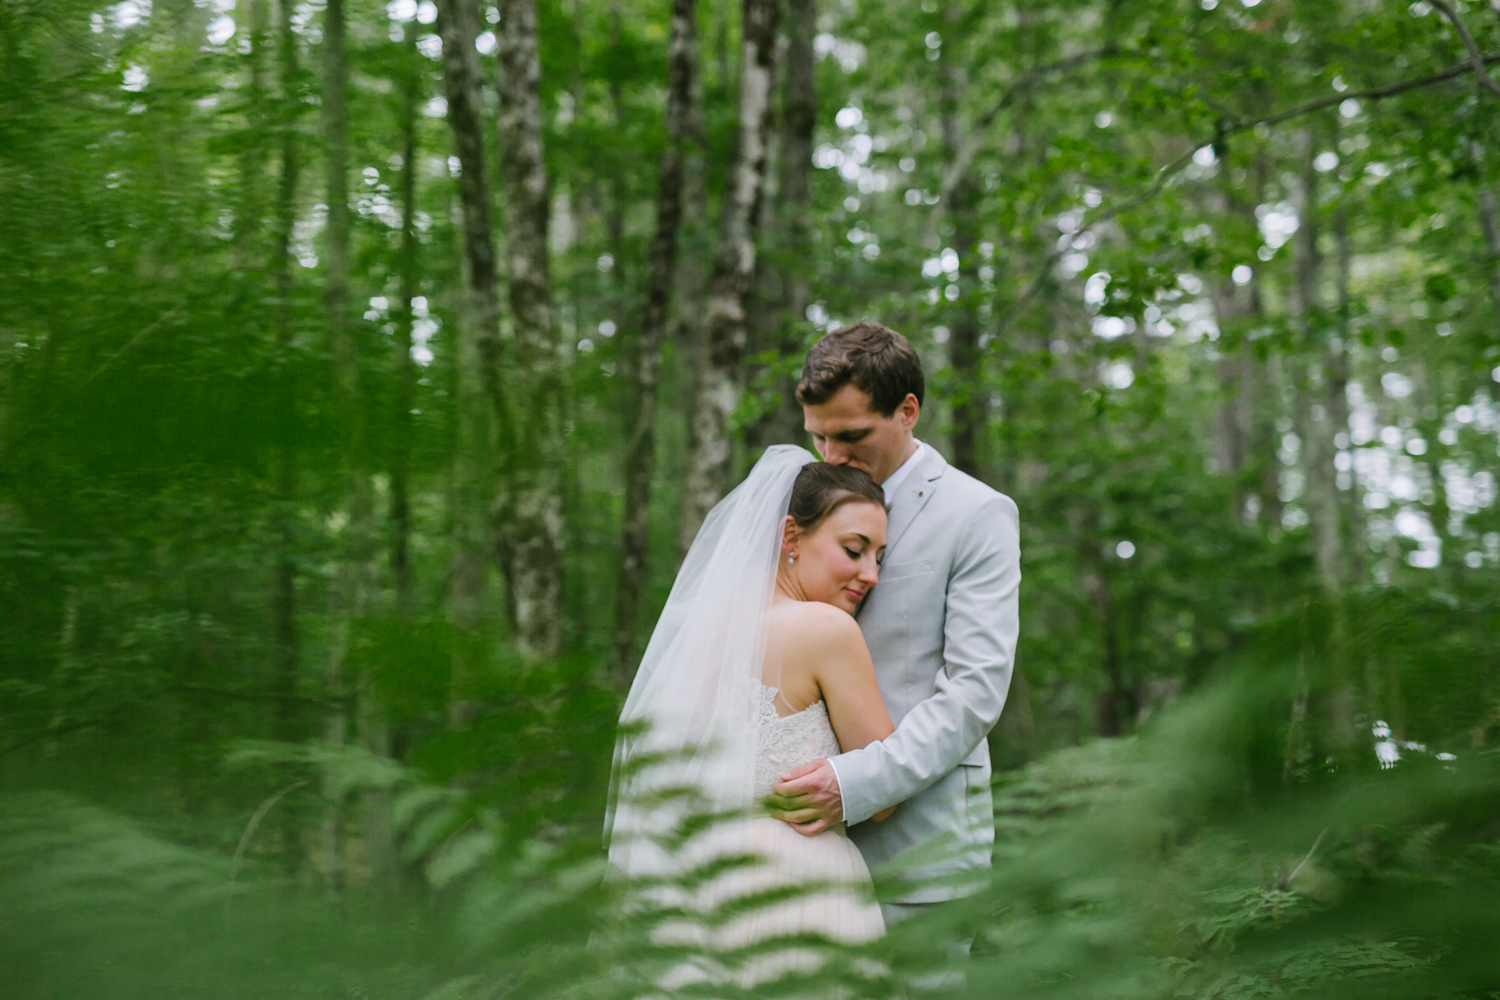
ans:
(847, 430)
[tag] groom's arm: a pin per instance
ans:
(979, 645)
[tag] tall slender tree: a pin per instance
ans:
(786, 276)
(409, 96)
(964, 354)
(531, 514)
(719, 380)
(352, 577)
(1316, 382)
(284, 573)
(800, 122)
(479, 367)
(692, 275)
(644, 361)
(248, 214)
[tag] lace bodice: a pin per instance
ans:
(783, 743)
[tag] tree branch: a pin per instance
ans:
(1226, 129)
(1286, 882)
(1475, 59)
(1030, 78)
(193, 689)
(142, 335)
(960, 165)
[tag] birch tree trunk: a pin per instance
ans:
(479, 357)
(531, 513)
(641, 372)
(734, 270)
(284, 575)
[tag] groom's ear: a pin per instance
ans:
(909, 410)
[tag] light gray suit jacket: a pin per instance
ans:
(941, 625)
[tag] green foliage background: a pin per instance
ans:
(1218, 775)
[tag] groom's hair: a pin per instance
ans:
(873, 358)
(820, 489)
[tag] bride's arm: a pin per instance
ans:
(840, 663)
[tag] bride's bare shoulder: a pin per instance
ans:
(815, 625)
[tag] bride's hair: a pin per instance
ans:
(820, 489)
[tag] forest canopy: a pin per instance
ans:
(366, 368)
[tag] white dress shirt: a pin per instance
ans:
(894, 480)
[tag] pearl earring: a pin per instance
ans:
(791, 559)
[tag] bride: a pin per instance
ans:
(756, 667)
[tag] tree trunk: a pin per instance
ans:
(1319, 383)
(1115, 707)
(1016, 728)
(640, 448)
(1338, 408)
(352, 584)
(385, 870)
(253, 15)
(692, 282)
(284, 574)
(1236, 363)
(1315, 378)
(734, 269)
(964, 354)
(470, 496)
(406, 375)
(801, 123)
(787, 288)
(478, 362)
(1489, 219)
(531, 514)
(1232, 442)
(1265, 394)
(1265, 405)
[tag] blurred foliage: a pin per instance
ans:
(1295, 788)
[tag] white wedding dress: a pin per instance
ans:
(838, 901)
(830, 894)
(699, 720)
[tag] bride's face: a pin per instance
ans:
(839, 561)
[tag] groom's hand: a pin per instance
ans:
(808, 798)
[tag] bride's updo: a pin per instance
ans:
(821, 489)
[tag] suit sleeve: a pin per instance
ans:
(979, 644)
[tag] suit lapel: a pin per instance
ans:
(913, 496)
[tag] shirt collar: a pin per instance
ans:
(894, 480)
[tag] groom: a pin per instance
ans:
(941, 626)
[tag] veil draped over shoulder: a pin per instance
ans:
(687, 732)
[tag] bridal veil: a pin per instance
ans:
(686, 748)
